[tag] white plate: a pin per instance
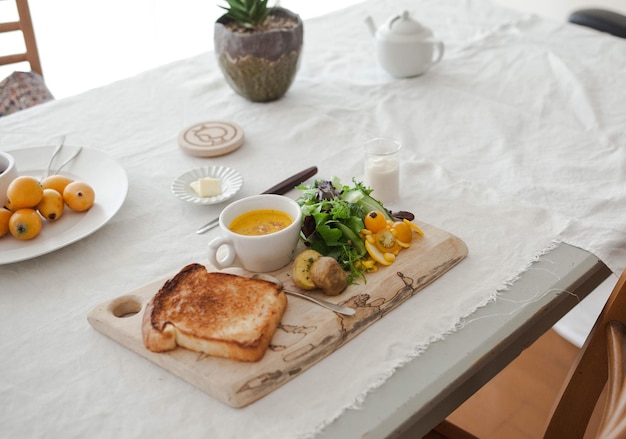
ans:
(232, 182)
(101, 172)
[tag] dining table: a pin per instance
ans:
(514, 143)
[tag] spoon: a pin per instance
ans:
(331, 306)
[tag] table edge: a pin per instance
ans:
(417, 397)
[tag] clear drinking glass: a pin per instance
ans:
(382, 168)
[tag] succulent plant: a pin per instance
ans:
(247, 13)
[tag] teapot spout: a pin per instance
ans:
(369, 21)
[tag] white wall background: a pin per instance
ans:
(86, 44)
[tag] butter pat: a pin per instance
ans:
(207, 187)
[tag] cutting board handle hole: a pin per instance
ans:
(126, 306)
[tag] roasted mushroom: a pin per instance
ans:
(327, 274)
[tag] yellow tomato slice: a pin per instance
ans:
(376, 254)
(386, 242)
(403, 244)
(414, 227)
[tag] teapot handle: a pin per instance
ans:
(439, 51)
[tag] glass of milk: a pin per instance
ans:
(382, 168)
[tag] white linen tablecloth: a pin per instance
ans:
(513, 142)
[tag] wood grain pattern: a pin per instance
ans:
(307, 333)
(516, 403)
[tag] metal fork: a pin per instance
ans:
(72, 157)
(54, 154)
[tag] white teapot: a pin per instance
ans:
(404, 47)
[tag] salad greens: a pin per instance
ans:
(332, 219)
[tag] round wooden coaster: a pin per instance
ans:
(211, 139)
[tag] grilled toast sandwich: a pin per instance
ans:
(220, 314)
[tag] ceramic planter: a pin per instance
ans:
(259, 66)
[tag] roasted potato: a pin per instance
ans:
(302, 269)
(327, 274)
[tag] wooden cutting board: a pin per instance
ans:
(307, 333)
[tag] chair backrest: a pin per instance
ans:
(602, 20)
(25, 26)
(601, 360)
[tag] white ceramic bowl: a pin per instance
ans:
(263, 253)
(8, 172)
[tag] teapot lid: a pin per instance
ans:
(405, 27)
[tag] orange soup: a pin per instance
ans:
(260, 222)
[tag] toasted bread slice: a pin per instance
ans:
(220, 314)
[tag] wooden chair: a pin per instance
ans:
(600, 365)
(21, 90)
(25, 26)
